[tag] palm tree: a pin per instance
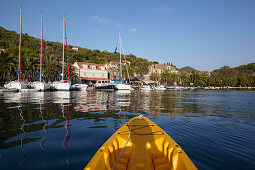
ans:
(51, 68)
(184, 78)
(154, 77)
(30, 66)
(73, 75)
(127, 72)
(7, 66)
(195, 78)
(165, 76)
(174, 78)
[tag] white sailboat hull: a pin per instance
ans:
(16, 85)
(146, 88)
(40, 86)
(62, 85)
(123, 87)
(160, 88)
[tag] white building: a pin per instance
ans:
(2, 48)
(75, 48)
(91, 72)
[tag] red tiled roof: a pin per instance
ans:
(94, 79)
(111, 62)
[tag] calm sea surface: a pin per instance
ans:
(63, 130)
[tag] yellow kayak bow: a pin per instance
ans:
(140, 145)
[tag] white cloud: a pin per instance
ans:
(94, 17)
(133, 30)
(99, 19)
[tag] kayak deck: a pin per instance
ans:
(148, 147)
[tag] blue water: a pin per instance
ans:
(63, 130)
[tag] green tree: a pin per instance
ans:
(30, 66)
(7, 66)
(52, 68)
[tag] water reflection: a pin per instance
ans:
(66, 126)
(67, 120)
(36, 120)
(21, 114)
(45, 127)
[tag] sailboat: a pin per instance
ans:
(18, 84)
(41, 85)
(63, 85)
(121, 85)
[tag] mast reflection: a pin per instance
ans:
(68, 132)
(45, 127)
(22, 116)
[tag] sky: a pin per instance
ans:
(203, 34)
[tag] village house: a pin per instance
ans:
(156, 69)
(159, 68)
(113, 71)
(75, 48)
(113, 68)
(89, 73)
(48, 47)
(2, 48)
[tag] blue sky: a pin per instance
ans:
(204, 34)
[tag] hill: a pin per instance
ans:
(10, 39)
(187, 69)
(247, 68)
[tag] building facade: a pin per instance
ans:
(113, 70)
(159, 68)
(89, 73)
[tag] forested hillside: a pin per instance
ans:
(53, 54)
(225, 76)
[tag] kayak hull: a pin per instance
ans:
(140, 144)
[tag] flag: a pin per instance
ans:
(115, 49)
(18, 73)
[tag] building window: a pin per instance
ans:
(102, 68)
(94, 67)
(85, 66)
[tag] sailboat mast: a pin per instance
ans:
(67, 54)
(120, 57)
(125, 61)
(41, 51)
(20, 46)
(63, 60)
(42, 54)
